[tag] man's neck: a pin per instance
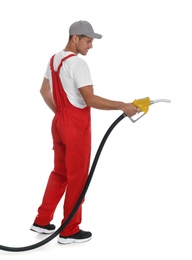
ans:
(70, 47)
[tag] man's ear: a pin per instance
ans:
(75, 38)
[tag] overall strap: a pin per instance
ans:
(59, 67)
(59, 94)
(51, 63)
(69, 56)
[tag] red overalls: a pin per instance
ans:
(71, 132)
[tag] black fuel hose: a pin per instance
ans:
(49, 238)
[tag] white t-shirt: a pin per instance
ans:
(74, 74)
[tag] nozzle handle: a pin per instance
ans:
(143, 104)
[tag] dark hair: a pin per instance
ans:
(80, 36)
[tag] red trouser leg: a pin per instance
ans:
(76, 134)
(54, 191)
(57, 182)
(72, 157)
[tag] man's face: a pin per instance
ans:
(83, 45)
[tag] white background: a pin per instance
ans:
(138, 205)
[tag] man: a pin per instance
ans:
(67, 89)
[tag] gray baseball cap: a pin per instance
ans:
(83, 28)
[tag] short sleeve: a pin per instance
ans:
(81, 74)
(47, 72)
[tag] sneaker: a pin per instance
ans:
(79, 237)
(48, 229)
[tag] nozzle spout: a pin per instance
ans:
(160, 100)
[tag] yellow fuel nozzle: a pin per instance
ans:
(143, 104)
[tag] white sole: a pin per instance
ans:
(65, 241)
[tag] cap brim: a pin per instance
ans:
(94, 35)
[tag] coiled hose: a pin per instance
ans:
(78, 203)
